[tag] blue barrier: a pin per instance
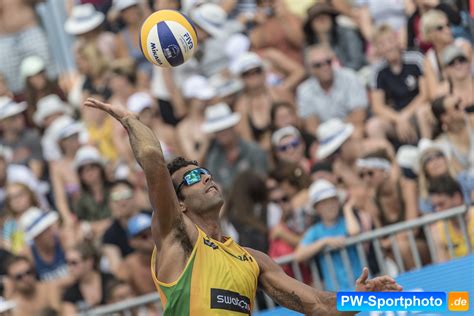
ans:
(456, 275)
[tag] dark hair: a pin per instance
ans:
(14, 259)
(111, 286)
(88, 251)
(293, 173)
(437, 108)
(115, 183)
(379, 153)
(176, 164)
(274, 109)
(48, 311)
(103, 175)
(444, 184)
(312, 38)
(322, 166)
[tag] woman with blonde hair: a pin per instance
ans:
(19, 198)
(436, 29)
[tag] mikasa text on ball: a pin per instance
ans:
(168, 38)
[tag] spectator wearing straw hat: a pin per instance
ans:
(228, 153)
(45, 245)
(192, 140)
(330, 232)
(85, 22)
(24, 142)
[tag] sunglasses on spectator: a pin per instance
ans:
(363, 174)
(255, 71)
(192, 177)
(21, 276)
(457, 60)
(121, 195)
(432, 157)
(439, 28)
(72, 262)
(320, 64)
(291, 145)
(283, 199)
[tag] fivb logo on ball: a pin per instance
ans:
(168, 38)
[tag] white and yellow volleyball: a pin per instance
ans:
(168, 38)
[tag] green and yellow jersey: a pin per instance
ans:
(220, 278)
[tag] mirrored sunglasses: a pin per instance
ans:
(192, 177)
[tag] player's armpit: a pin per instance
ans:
(291, 293)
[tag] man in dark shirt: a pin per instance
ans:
(396, 93)
(115, 239)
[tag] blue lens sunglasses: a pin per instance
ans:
(192, 177)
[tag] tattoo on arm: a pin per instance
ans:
(288, 299)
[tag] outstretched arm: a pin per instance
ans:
(147, 150)
(302, 298)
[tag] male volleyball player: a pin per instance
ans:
(196, 270)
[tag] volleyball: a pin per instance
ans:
(168, 38)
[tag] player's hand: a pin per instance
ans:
(378, 284)
(117, 111)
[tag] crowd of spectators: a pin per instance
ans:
(318, 119)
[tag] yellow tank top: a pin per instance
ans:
(220, 279)
(102, 136)
(456, 236)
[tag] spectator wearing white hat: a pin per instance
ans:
(64, 179)
(45, 245)
(255, 103)
(288, 145)
(93, 203)
(276, 27)
(330, 92)
(193, 141)
(330, 232)
(50, 112)
(127, 40)
(85, 22)
(21, 35)
(24, 142)
(228, 153)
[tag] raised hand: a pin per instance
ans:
(378, 284)
(117, 111)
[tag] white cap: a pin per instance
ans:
(225, 86)
(34, 221)
(198, 87)
(219, 117)
(210, 17)
(87, 155)
(70, 129)
(120, 5)
(245, 62)
(321, 190)
(237, 45)
(30, 66)
(9, 108)
(47, 106)
(84, 18)
(407, 157)
(331, 135)
(139, 101)
(283, 132)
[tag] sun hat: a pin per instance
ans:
(120, 5)
(210, 17)
(9, 108)
(450, 53)
(426, 146)
(198, 87)
(331, 135)
(87, 155)
(84, 18)
(139, 101)
(35, 221)
(226, 86)
(321, 190)
(236, 45)
(283, 132)
(137, 224)
(30, 66)
(47, 106)
(70, 129)
(245, 62)
(6, 153)
(407, 158)
(219, 117)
